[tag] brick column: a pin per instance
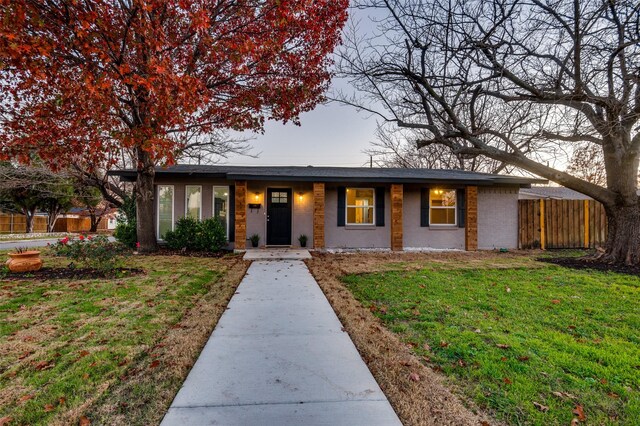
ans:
(471, 219)
(397, 242)
(241, 214)
(318, 215)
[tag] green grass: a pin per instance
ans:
(510, 336)
(64, 342)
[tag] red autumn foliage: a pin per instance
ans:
(87, 79)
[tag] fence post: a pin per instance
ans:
(543, 237)
(586, 224)
(11, 224)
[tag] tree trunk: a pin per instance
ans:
(95, 220)
(623, 238)
(52, 218)
(29, 214)
(145, 217)
(623, 214)
(51, 221)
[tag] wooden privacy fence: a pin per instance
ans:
(72, 224)
(557, 224)
(17, 223)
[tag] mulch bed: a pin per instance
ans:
(162, 251)
(71, 273)
(591, 263)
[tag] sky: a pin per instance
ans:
(330, 135)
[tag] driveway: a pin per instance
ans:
(279, 356)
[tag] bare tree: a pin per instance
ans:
(191, 148)
(518, 82)
(395, 147)
(587, 163)
(210, 148)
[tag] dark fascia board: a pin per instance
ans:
(488, 181)
(130, 176)
(356, 179)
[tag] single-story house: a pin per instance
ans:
(339, 207)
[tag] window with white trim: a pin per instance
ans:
(442, 207)
(360, 206)
(193, 201)
(221, 206)
(165, 210)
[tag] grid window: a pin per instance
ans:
(221, 206)
(442, 207)
(193, 203)
(279, 197)
(165, 210)
(360, 206)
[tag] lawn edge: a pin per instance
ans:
(429, 400)
(174, 354)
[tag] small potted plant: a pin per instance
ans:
(303, 240)
(255, 239)
(24, 260)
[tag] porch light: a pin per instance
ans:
(300, 196)
(257, 196)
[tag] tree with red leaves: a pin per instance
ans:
(82, 79)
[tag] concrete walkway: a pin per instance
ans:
(279, 356)
(277, 254)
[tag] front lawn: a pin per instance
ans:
(531, 342)
(107, 351)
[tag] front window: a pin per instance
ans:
(221, 206)
(360, 206)
(165, 210)
(442, 207)
(193, 203)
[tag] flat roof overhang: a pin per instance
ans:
(479, 179)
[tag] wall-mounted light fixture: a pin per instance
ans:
(300, 194)
(256, 204)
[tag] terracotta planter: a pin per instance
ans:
(27, 261)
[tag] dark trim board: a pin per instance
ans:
(351, 175)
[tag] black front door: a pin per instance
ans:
(278, 217)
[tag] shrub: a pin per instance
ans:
(191, 234)
(126, 233)
(126, 228)
(213, 235)
(91, 252)
(184, 235)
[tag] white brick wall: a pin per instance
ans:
(497, 218)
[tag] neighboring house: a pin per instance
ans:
(338, 207)
(108, 219)
(551, 193)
